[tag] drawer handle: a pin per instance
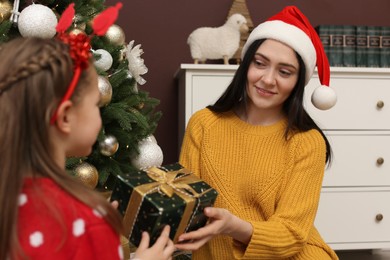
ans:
(379, 217)
(380, 104)
(380, 161)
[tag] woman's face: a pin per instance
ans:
(272, 75)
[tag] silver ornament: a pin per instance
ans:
(15, 12)
(105, 90)
(109, 145)
(115, 35)
(77, 20)
(104, 62)
(76, 31)
(37, 20)
(150, 155)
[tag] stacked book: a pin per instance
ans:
(356, 45)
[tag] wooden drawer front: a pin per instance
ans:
(350, 217)
(355, 160)
(206, 89)
(356, 106)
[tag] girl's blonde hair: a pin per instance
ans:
(34, 75)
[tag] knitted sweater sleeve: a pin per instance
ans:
(190, 149)
(286, 232)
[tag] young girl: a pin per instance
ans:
(262, 151)
(47, 114)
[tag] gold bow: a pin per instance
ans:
(171, 182)
(168, 182)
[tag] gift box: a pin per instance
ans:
(159, 196)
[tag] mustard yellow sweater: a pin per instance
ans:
(272, 183)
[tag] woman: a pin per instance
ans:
(261, 150)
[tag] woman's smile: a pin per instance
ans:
(265, 93)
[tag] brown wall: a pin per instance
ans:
(162, 27)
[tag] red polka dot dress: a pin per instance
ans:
(62, 227)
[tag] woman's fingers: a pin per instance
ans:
(194, 245)
(192, 235)
(210, 229)
(216, 213)
(211, 212)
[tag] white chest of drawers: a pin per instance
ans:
(354, 211)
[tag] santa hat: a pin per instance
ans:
(292, 28)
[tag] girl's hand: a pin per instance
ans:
(221, 222)
(162, 249)
(115, 204)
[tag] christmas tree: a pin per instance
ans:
(125, 142)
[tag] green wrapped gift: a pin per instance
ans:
(159, 196)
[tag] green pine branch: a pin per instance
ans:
(131, 115)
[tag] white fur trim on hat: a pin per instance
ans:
(290, 35)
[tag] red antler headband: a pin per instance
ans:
(79, 44)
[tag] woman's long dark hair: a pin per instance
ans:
(298, 119)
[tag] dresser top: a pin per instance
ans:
(222, 67)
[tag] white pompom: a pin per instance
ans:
(37, 20)
(324, 98)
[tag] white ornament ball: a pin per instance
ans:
(151, 138)
(104, 62)
(150, 155)
(37, 20)
(324, 98)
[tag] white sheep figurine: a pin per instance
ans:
(217, 42)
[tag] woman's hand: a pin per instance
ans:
(162, 249)
(221, 222)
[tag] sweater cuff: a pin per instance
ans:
(261, 237)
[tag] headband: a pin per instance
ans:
(80, 44)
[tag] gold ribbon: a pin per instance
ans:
(169, 183)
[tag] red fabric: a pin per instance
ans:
(79, 49)
(66, 19)
(80, 44)
(64, 228)
(105, 19)
(292, 15)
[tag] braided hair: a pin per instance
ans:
(34, 75)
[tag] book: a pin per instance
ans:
(385, 48)
(356, 45)
(374, 44)
(336, 46)
(361, 46)
(349, 45)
